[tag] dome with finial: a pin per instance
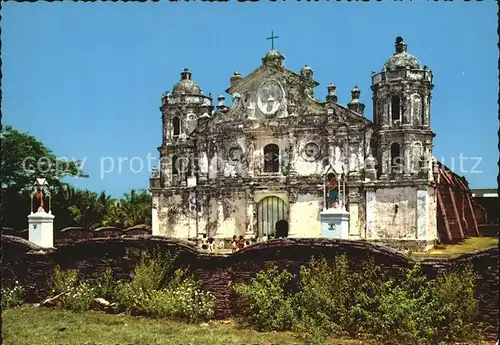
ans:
(401, 59)
(186, 85)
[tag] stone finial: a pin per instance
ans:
(235, 78)
(355, 94)
(400, 45)
(332, 93)
(164, 98)
(220, 102)
(306, 72)
(154, 173)
(185, 74)
(355, 104)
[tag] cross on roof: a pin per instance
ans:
(272, 39)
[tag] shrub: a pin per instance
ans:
(323, 298)
(13, 297)
(334, 300)
(63, 280)
(183, 300)
(152, 270)
(79, 298)
(367, 289)
(454, 307)
(269, 306)
(105, 286)
(156, 291)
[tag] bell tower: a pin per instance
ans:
(181, 110)
(401, 106)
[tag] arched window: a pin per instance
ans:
(271, 158)
(396, 160)
(176, 125)
(175, 165)
(395, 108)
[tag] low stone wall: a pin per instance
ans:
(30, 265)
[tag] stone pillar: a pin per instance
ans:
(422, 213)
(221, 229)
(292, 230)
(406, 105)
(407, 158)
(354, 160)
(385, 115)
(41, 228)
(370, 213)
(155, 224)
(292, 142)
(385, 162)
(250, 232)
(354, 232)
(426, 106)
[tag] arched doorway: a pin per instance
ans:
(281, 229)
(270, 211)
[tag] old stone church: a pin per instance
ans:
(279, 155)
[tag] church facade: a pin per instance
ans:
(278, 156)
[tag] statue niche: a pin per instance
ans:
(332, 191)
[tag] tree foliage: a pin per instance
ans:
(24, 158)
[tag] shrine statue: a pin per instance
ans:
(333, 191)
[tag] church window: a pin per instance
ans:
(396, 160)
(395, 108)
(271, 158)
(176, 124)
(175, 165)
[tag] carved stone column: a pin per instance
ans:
(426, 106)
(370, 213)
(155, 224)
(385, 114)
(292, 156)
(250, 211)
(220, 217)
(407, 158)
(292, 226)
(353, 197)
(385, 162)
(354, 160)
(406, 105)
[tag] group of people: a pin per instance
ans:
(239, 243)
(208, 243)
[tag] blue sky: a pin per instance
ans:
(86, 78)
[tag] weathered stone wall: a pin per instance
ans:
(31, 265)
(304, 216)
(395, 213)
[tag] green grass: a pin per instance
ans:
(468, 245)
(29, 325)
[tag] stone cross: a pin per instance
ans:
(272, 39)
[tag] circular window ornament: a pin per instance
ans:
(311, 151)
(235, 155)
(270, 97)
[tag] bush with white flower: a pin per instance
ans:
(13, 296)
(79, 298)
